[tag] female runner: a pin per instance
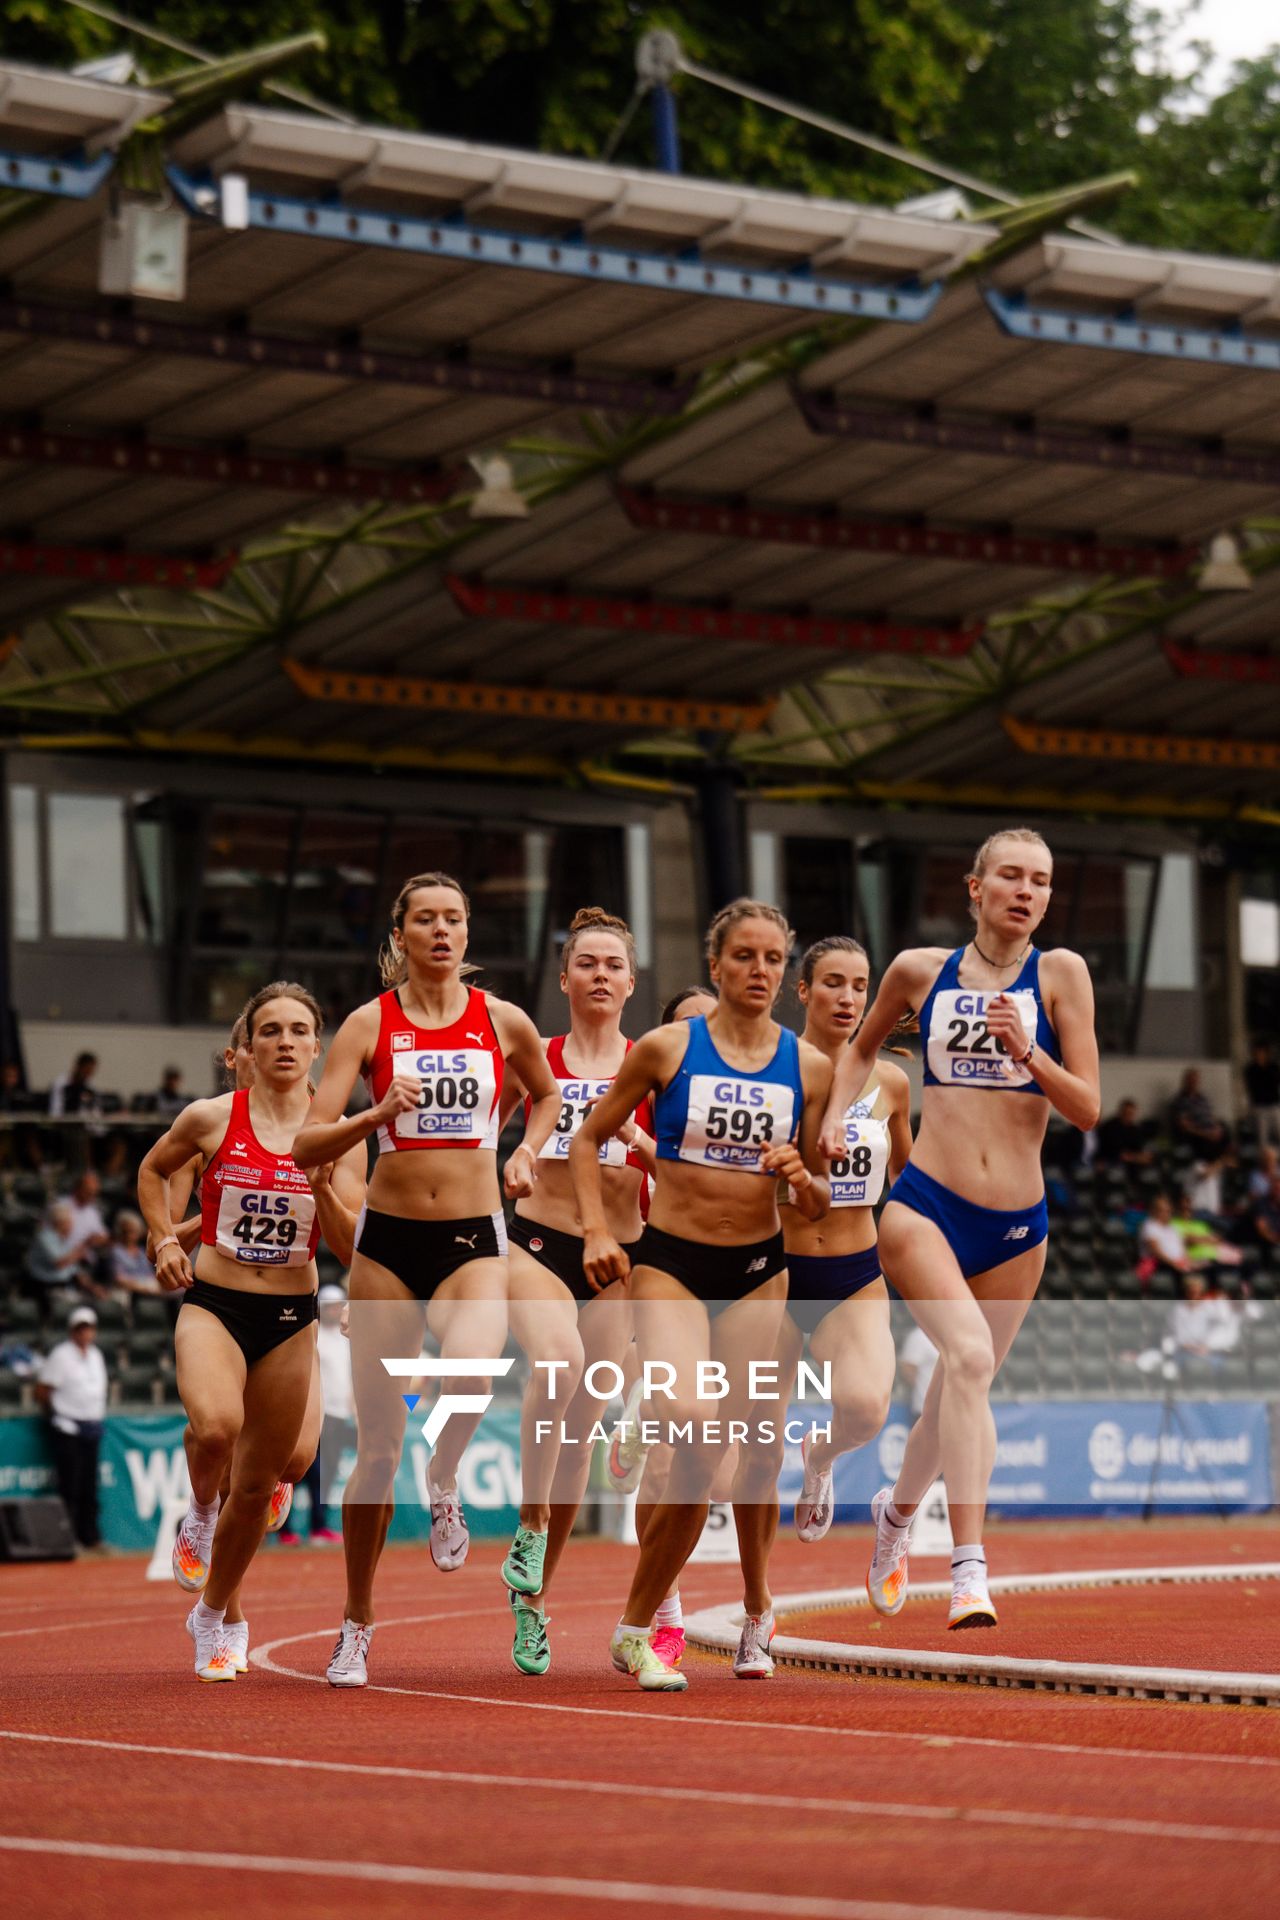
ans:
(733, 1093)
(837, 1296)
(243, 1376)
(1006, 1033)
(432, 1052)
(598, 974)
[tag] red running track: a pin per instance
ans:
(456, 1787)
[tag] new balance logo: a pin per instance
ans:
(433, 1426)
(758, 1266)
(1017, 1233)
(469, 1240)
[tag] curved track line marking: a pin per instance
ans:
(261, 1656)
(715, 1630)
(643, 1790)
(618, 1892)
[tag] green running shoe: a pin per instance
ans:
(522, 1568)
(530, 1649)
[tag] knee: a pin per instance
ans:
(558, 1371)
(861, 1414)
(254, 1484)
(760, 1463)
(971, 1363)
(217, 1434)
(299, 1463)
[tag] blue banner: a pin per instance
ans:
(1084, 1456)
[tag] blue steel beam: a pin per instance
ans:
(1124, 333)
(37, 173)
(453, 239)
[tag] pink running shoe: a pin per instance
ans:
(668, 1644)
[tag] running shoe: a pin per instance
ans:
(668, 1645)
(522, 1568)
(752, 1661)
(815, 1507)
(214, 1658)
(627, 1451)
(530, 1649)
(326, 1537)
(349, 1661)
(971, 1604)
(633, 1653)
(281, 1501)
(237, 1632)
(450, 1541)
(192, 1548)
(887, 1574)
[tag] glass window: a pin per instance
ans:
(147, 821)
(88, 866)
(24, 863)
(819, 887)
(246, 874)
(1173, 937)
(335, 883)
(943, 919)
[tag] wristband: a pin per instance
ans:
(172, 1240)
(808, 1182)
(1025, 1060)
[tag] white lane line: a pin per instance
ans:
(261, 1656)
(646, 1790)
(559, 1886)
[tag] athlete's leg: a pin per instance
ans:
(467, 1317)
(385, 1322)
(604, 1327)
(275, 1400)
(672, 1327)
(211, 1380)
(751, 1332)
(544, 1320)
(856, 1341)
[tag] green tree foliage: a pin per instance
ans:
(1031, 94)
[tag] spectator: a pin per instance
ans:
(74, 1092)
(1266, 1219)
(72, 1387)
(917, 1358)
(1122, 1138)
(1159, 1240)
(168, 1099)
(18, 1144)
(1202, 1326)
(339, 1428)
(1263, 1174)
(131, 1271)
(1193, 1122)
(54, 1259)
(91, 1231)
(1262, 1089)
(14, 1097)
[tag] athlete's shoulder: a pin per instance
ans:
(892, 1078)
(816, 1070)
(205, 1117)
(1062, 966)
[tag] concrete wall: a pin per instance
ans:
(131, 1058)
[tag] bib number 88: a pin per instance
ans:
(740, 1125)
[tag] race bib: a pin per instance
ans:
(857, 1174)
(731, 1122)
(577, 1097)
(262, 1229)
(962, 1050)
(456, 1090)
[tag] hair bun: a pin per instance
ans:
(596, 917)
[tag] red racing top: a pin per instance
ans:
(576, 1097)
(457, 1071)
(256, 1207)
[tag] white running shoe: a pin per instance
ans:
(237, 1632)
(281, 1502)
(815, 1506)
(214, 1659)
(349, 1661)
(450, 1541)
(752, 1661)
(971, 1604)
(887, 1574)
(627, 1451)
(192, 1548)
(631, 1653)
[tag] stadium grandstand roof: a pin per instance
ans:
(859, 500)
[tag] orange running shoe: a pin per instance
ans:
(191, 1550)
(887, 1574)
(281, 1502)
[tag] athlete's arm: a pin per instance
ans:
(897, 1089)
(800, 1163)
(193, 1134)
(642, 1144)
(523, 1049)
(512, 1094)
(1073, 1088)
(649, 1065)
(899, 992)
(187, 1230)
(339, 1192)
(328, 1131)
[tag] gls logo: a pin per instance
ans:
(447, 1403)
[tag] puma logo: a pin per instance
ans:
(465, 1240)
(477, 1037)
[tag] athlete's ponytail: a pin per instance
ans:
(393, 962)
(596, 920)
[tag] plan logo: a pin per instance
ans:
(423, 1367)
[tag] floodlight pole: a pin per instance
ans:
(658, 61)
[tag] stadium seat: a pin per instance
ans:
(135, 1384)
(150, 1310)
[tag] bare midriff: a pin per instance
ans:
(436, 1183)
(713, 1205)
(985, 1146)
(552, 1202)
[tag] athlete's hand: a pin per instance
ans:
(627, 1132)
(318, 1177)
(603, 1261)
(173, 1269)
(831, 1139)
(520, 1175)
(788, 1163)
(400, 1097)
(1004, 1022)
